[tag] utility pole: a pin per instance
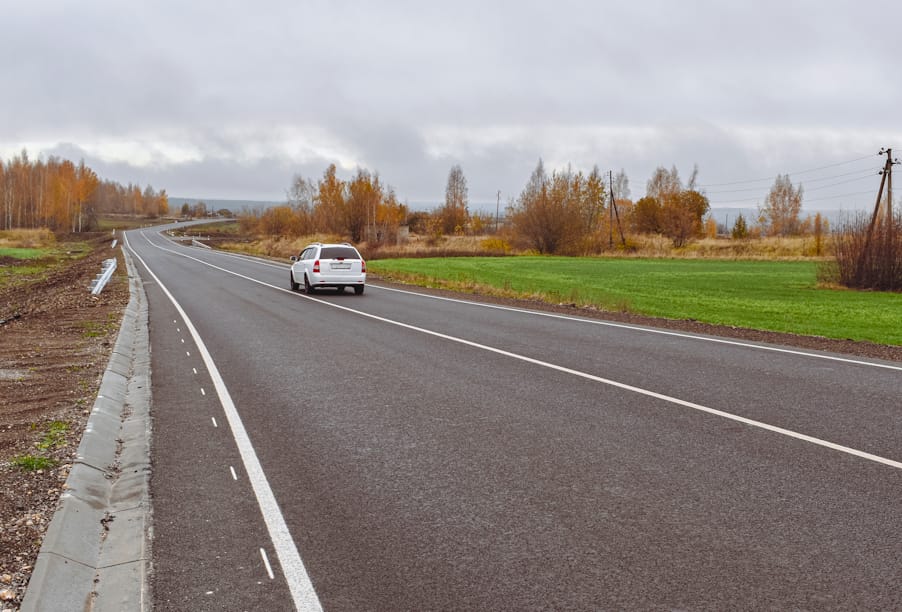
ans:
(616, 212)
(611, 211)
(497, 211)
(885, 180)
(889, 184)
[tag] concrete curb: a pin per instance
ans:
(96, 553)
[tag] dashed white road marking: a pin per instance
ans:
(300, 587)
(202, 392)
(234, 475)
(194, 370)
(214, 422)
(266, 563)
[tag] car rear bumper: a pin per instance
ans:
(337, 280)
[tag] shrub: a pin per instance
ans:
(867, 257)
(496, 245)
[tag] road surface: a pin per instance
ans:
(396, 451)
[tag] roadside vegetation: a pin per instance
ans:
(620, 254)
(778, 296)
(578, 239)
(66, 197)
(27, 254)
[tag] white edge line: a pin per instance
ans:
(585, 375)
(299, 584)
(650, 330)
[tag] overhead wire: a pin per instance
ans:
(859, 175)
(842, 195)
(864, 174)
(770, 178)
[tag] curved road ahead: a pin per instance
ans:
(397, 451)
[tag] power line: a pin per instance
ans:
(807, 201)
(864, 174)
(844, 195)
(770, 178)
(839, 183)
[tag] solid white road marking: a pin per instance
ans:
(649, 330)
(551, 366)
(301, 588)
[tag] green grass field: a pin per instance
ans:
(777, 296)
(22, 253)
(31, 263)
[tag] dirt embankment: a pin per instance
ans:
(55, 342)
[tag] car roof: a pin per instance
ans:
(330, 244)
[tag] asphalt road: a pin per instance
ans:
(396, 451)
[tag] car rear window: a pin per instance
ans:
(339, 252)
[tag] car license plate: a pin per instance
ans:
(341, 266)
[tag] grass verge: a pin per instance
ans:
(24, 264)
(30, 463)
(778, 296)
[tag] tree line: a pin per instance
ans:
(362, 208)
(66, 197)
(563, 211)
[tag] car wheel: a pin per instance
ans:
(294, 286)
(358, 289)
(308, 288)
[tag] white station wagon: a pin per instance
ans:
(328, 265)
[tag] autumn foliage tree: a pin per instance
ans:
(670, 208)
(360, 208)
(740, 229)
(454, 214)
(780, 213)
(60, 195)
(560, 213)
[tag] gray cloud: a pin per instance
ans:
(223, 100)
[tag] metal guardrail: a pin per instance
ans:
(97, 285)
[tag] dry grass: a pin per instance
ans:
(279, 247)
(27, 238)
(770, 248)
(639, 246)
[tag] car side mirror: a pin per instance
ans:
(294, 258)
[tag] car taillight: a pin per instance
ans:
(363, 266)
(316, 267)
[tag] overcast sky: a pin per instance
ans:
(222, 99)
